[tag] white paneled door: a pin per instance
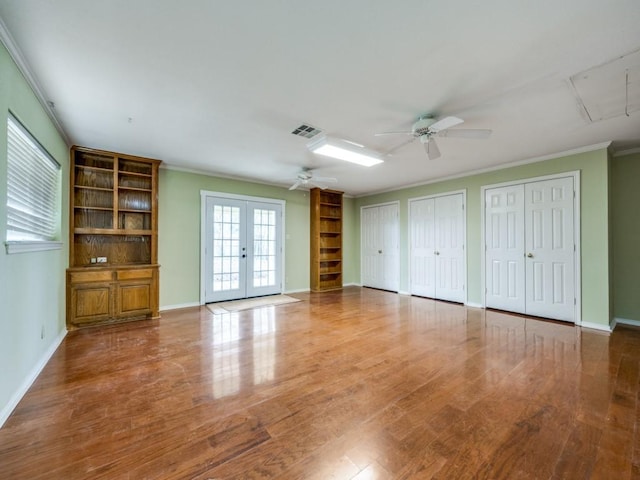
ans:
(243, 253)
(437, 256)
(504, 244)
(380, 247)
(530, 248)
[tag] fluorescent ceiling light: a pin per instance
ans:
(344, 150)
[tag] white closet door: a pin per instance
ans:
(422, 247)
(549, 249)
(504, 241)
(380, 247)
(449, 248)
(371, 244)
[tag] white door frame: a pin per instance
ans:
(576, 234)
(385, 204)
(464, 234)
(204, 195)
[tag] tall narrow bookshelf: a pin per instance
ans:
(113, 238)
(326, 240)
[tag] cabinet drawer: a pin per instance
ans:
(80, 277)
(135, 274)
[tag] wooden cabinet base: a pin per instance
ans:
(98, 295)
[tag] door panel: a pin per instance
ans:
(550, 248)
(449, 215)
(504, 243)
(422, 248)
(380, 247)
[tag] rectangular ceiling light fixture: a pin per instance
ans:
(344, 150)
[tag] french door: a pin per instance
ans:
(380, 247)
(436, 252)
(530, 264)
(243, 248)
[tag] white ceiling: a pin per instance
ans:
(218, 86)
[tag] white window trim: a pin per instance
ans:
(31, 246)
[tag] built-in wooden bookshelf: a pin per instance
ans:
(326, 239)
(113, 242)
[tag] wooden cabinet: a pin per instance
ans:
(326, 240)
(113, 273)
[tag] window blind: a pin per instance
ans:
(33, 185)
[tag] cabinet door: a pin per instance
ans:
(133, 298)
(91, 302)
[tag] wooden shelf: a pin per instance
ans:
(125, 284)
(326, 240)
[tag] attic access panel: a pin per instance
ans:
(610, 90)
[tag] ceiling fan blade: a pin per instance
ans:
(398, 147)
(445, 123)
(295, 185)
(432, 149)
(392, 133)
(478, 133)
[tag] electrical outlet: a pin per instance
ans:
(101, 259)
(93, 259)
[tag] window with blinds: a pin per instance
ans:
(33, 187)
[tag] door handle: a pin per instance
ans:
(436, 253)
(530, 255)
(379, 251)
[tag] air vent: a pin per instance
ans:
(306, 131)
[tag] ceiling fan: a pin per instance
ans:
(306, 179)
(427, 127)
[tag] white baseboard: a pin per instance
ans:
(352, 284)
(625, 321)
(179, 305)
(401, 292)
(31, 377)
(597, 326)
(474, 305)
(297, 290)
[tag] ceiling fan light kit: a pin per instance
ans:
(344, 150)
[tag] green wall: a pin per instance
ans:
(179, 233)
(594, 227)
(32, 285)
(626, 236)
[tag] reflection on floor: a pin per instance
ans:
(351, 384)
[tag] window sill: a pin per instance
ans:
(28, 246)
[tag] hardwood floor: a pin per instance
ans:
(354, 384)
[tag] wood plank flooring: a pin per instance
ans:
(353, 384)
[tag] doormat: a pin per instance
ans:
(247, 303)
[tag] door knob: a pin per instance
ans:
(530, 255)
(379, 251)
(437, 253)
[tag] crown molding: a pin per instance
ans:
(16, 54)
(517, 163)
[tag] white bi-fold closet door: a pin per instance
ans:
(530, 248)
(380, 246)
(436, 251)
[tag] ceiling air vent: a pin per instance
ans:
(306, 131)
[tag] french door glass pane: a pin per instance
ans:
(264, 248)
(226, 248)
